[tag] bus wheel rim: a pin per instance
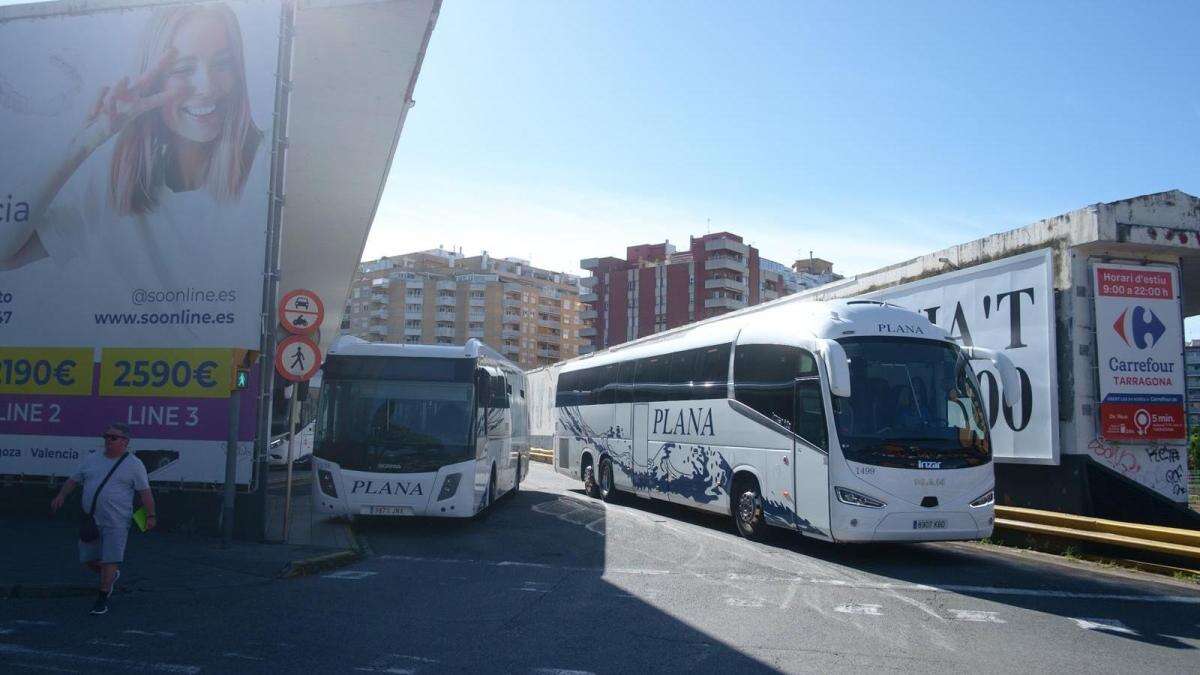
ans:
(747, 507)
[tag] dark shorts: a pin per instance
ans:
(109, 548)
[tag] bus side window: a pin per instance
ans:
(606, 385)
(762, 379)
(681, 370)
(652, 373)
(712, 373)
(625, 380)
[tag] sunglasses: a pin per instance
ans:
(114, 437)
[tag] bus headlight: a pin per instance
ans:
(325, 478)
(853, 498)
(449, 486)
(984, 499)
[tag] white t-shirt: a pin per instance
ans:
(114, 507)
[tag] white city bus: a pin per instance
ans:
(418, 430)
(846, 421)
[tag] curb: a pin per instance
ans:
(327, 561)
(45, 591)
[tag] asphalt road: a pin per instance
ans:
(554, 582)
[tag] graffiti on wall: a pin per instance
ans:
(1160, 467)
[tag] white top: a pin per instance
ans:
(114, 507)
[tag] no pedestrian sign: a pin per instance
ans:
(301, 312)
(297, 358)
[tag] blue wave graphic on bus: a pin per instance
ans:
(705, 474)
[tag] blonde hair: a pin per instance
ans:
(138, 162)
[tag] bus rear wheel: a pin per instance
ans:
(746, 505)
(608, 491)
(590, 488)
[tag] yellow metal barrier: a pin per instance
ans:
(1166, 540)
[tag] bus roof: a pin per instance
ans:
(348, 345)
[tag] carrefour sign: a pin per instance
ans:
(1139, 340)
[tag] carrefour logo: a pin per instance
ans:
(1139, 328)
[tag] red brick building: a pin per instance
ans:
(656, 287)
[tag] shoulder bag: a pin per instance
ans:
(89, 531)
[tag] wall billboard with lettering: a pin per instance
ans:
(1006, 305)
(1139, 353)
(133, 230)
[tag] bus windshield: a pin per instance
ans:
(912, 402)
(394, 426)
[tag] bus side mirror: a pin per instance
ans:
(838, 366)
(1010, 381)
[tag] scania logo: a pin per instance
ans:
(1140, 328)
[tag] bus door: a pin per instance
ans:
(641, 479)
(810, 446)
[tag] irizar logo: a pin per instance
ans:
(1141, 325)
(926, 464)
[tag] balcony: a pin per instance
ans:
(444, 332)
(727, 284)
(549, 338)
(588, 314)
(477, 302)
(512, 302)
(377, 331)
(447, 302)
(550, 292)
(588, 297)
(509, 334)
(727, 263)
(475, 333)
(586, 349)
(724, 244)
(587, 332)
(448, 285)
(590, 263)
(723, 303)
(549, 354)
(413, 315)
(380, 283)
(510, 349)
(410, 330)
(550, 322)
(589, 282)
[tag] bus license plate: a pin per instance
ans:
(388, 511)
(929, 524)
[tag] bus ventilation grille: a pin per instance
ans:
(564, 452)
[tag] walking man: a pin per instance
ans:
(109, 480)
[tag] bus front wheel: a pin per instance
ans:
(746, 504)
(608, 492)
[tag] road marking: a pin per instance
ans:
(128, 664)
(349, 575)
(248, 657)
(863, 585)
(24, 622)
(536, 587)
(918, 604)
(869, 610)
(400, 664)
(106, 643)
(976, 615)
(1104, 626)
(743, 602)
(153, 633)
(52, 669)
(559, 671)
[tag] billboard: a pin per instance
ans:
(1139, 350)
(1006, 305)
(133, 231)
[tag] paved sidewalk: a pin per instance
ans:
(41, 559)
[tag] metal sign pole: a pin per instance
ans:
(287, 499)
(231, 453)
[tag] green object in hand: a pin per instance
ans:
(139, 518)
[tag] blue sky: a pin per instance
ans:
(866, 132)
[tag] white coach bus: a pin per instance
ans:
(418, 430)
(846, 421)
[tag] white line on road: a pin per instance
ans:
(869, 610)
(349, 575)
(248, 657)
(392, 663)
(743, 602)
(976, 615)
(1104, 626)
(53, 669)
(25, 622)
(152, 633)
(128, 664)
(559, 671)
(884, 586)
(106, 643)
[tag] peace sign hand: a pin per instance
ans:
(118, 105)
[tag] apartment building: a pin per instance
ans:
(656, 287)
(530, 315)
(1191, 358)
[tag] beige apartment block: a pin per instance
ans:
(529, 314)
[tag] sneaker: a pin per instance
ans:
(101, 606)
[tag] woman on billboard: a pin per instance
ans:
(175, 145)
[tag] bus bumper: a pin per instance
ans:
(914, 526)
(448, 492)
